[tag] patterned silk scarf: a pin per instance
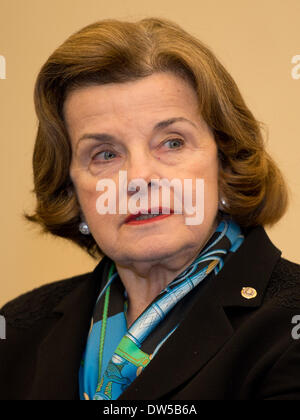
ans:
(114, 355)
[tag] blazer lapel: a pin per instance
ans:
(60, 352)
(202, 333)
(206, 327)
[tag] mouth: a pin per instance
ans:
(145, 216)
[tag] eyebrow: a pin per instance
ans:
(104, 137)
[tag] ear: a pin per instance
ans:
(70, 188)
(70, 191)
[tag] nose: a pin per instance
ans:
(142, 165)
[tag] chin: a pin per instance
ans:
(150, 252)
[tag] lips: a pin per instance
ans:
(158, 212)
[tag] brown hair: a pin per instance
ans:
(115, 51)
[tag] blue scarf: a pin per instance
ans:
(114, 355)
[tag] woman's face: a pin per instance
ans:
(115, 127)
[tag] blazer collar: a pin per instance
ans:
(201, 334)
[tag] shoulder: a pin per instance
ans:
(284, 284)
(28, 308)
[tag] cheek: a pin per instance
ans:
(205, 167)
(211, 186)
(85, 187)
(88, 195)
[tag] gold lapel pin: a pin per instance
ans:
(248, 292)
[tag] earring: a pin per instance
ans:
(83, 228)
(222, 204)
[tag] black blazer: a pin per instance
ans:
(226, 348)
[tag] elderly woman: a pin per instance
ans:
(179, 307)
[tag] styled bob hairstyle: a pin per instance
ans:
(113, 51)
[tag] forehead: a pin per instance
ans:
(147, 98)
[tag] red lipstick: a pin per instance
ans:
(131, 219)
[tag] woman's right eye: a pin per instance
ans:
(106, 155)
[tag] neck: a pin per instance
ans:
(143, 281)
(143, 284)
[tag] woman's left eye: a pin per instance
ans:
(175, 143)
